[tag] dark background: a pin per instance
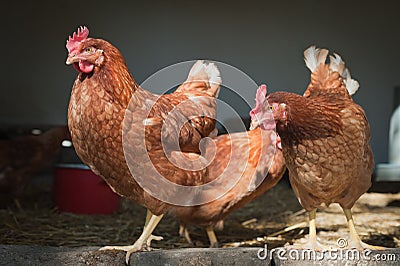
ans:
(265, 39)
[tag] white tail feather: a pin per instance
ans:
(314, 56)
(214, 75)
(336, 63)
(352, 85)
(209, 72)
(196, 68)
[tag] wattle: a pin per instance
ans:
(268, 124)
(85, 66)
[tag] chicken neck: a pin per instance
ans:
(306, 117)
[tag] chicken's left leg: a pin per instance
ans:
(212, 237)
(143, 241)
(148, 217)
(312, 242)
(152, 237)
(184, 232)
(355, 241)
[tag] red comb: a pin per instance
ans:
(73, 42)
(260, 97)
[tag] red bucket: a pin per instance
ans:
(78, 190)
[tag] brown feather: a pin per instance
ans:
(326, 81)
(325, 141)
(23, 157)
(253, 156)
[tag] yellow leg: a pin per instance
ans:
(312, 242)
(148, 216)
(182, 229)
(184, 232)
(212, 237)
(152, 237)
(312, 215)
(143, 241)
(355, 241)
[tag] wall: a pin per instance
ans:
(265, 39)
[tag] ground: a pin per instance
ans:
(32, 220)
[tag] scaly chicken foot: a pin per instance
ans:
(312, 242)
(212, 237)
(152, 237)
(355, 241)
(184, 233)
(143, 242)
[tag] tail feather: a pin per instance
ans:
(314, 56)
(352, 85)
(203, 77)
(338, 65)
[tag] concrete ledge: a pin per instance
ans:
(42, 255)
(46, 256)
(200, 256)
(39, 255)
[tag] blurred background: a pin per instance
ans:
(265, 39)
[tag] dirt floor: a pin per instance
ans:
(32, 220)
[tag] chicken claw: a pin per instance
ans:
(123, 248)
(138, 246)
(355, 241)
(143, 242)
(359, 245)
(151, 238)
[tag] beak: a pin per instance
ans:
(73, 58)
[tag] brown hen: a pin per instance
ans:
(325, 140)
(118, 128)
(250, 156)
(25, 156)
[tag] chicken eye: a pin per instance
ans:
(89, 50)
(271, 107)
